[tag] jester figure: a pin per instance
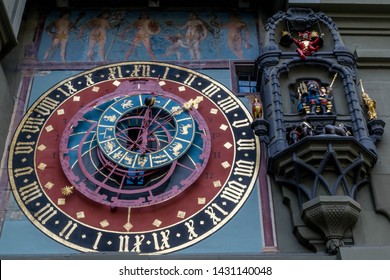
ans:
(308, 43)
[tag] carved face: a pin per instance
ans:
(312, 85)
(304, 35)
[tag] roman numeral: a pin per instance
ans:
(190, 79)
(46, 106)
(241, 123)
(166, 73)
(213, 215)
(244, 168)
(68, 230)
(163, 243)
(89, 81)
(138, 242)
(233, 192)
(124, 243)
(246, 144)
(99, 236)
(115, 73)
(22, 171)
(70, 89)
(191, 230)
(30, 192)
(228, 104)
(32, 125)
(24, 147)
(210, 90)
(45, 213)
(141, 70)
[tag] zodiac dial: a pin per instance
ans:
(137, 157)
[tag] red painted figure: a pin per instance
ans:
(308, 43)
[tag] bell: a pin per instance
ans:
(286, 39)
(314, 35)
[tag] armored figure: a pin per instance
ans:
(326, 99)
(369, 103)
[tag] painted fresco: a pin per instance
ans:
(137, 35)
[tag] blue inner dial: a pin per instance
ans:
(145, 131)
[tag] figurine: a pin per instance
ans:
(308, 43)
(306, 128)
(315, 99)
(294, 134)
(369, 103)
(257, 108)
(308, 97)
(339, 129)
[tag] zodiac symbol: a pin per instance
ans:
(184, 128)
(109, 146)
(176, 149)
(128, 160)
(176, 110)
(127, 104)
(110, 118)
(118, 155)
(105, 136)
(159, 156)
(142, 160)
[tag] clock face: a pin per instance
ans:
(137, 157)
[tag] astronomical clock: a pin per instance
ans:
(136, 157)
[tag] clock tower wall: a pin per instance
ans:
(228, 56)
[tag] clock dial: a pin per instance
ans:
(124, 151)
(137, 156)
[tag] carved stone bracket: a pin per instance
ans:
(331, 215)
(376, 128)
(260, 127)
(325, 171)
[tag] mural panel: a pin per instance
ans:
(138, 35)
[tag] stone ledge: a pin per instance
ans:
(343, 5)
(372, 57)
(381, 55)
(379, 252)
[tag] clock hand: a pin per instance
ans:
(146, 122)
